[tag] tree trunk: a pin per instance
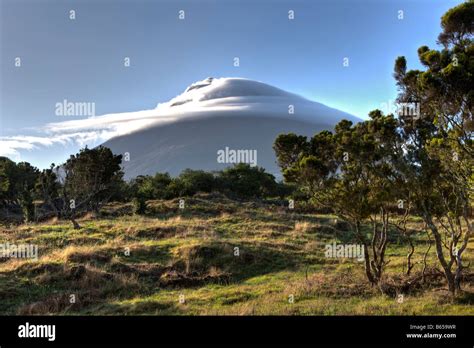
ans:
(424, 259)
(75, 223)
(460, 266)
(368, 270)
(409, 256)
(439, 253)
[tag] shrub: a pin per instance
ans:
(246, 181)
(139, 205)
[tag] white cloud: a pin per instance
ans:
(98, 129)
(83, 132)
(11, 146)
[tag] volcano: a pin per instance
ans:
(220, 114)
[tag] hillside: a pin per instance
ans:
(185, 262)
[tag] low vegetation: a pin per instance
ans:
(185, 262)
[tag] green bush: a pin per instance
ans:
(246, 181)
(139, 205)
(194, 181)
(241, 180)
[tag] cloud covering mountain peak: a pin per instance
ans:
(213, 89)
(208, 98)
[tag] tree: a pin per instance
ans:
(84, 183)
(48, 187)
(26, 176)
(17, 183)
(289, 148)
(351, 173)
(27, 206)
(194, 181)
(4, 180)
(151, 187)
(439, 141)
(246, 181)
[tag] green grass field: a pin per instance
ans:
(184, 262)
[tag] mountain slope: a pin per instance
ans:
(213, 114)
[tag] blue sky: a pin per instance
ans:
(82, 59)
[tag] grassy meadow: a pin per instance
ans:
(185, 262)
